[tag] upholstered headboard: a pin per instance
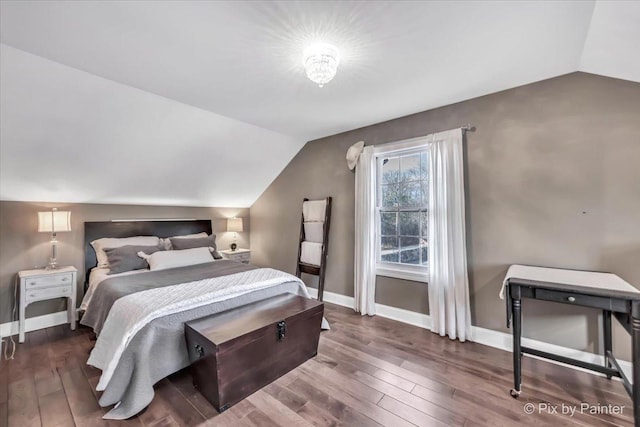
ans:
(96, 230)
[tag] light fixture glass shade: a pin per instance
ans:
(235, 225)
(321, 63)
(54, 221)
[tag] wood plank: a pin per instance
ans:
(277, 411)
(302, 406)
(390, 367)
(363, 406)
(22, 365)
(167, 421)
(439, 412)
(257, 418)
(288, 378)
(226, 419)
(84, 407)
(22, 406)
(4, 414)
(329, 403)
(412, 415)
(4, 380)
(395, 380)
(286, 396)
(56, 408)
(355, 388)
(317, 417)
(345, 359)
(484, 414)
(176, 404)
(45, 373)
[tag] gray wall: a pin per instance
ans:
(553, 175)
(22, 247)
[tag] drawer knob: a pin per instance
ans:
(64, 279)
(571, 299)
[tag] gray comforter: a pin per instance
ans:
(114, 288)
(159, 349)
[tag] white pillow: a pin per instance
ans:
(100, 245)
(162, 260)
(166, 242)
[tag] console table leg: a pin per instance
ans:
(608, 343)
(635, 357)
(516, 305)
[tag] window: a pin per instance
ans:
(401, 214)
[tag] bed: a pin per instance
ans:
(139, 316)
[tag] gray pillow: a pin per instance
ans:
(125, 258)
(200, 242)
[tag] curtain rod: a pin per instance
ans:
(465, 128)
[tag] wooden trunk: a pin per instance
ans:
(237, 352)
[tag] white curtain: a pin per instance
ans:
(448, 281)
(365, 253)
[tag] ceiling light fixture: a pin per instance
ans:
(321, 62)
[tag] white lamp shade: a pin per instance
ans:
(54, 221)
(235, 225)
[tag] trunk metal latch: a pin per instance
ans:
(282, 330)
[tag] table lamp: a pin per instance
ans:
(234, 225)
(53, 222)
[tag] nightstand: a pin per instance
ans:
(240, 255)
(40, 285)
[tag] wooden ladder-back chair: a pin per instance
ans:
(314, 240)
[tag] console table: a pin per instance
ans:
(603, 291)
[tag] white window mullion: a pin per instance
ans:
(415, 272)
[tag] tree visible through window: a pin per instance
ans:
(402, 200)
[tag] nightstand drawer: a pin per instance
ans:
(51, 280)
(50, 292)
(242, 257)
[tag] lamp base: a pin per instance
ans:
(53, 261)
(52, 266)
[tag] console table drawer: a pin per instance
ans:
(47, 293)
(51, 280)
(574, 298)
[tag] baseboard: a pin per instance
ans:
(34, 323)
(333, 298)
(405, 316)
(488, 337)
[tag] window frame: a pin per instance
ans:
(416, 273)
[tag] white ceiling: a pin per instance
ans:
(240, 63)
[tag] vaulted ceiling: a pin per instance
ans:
(204, 103)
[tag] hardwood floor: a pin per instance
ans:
(369, 371)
